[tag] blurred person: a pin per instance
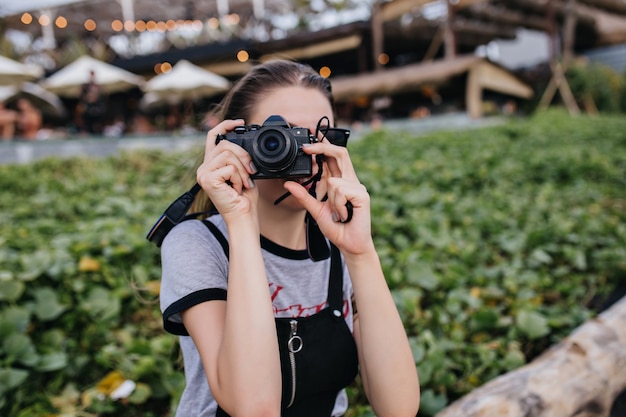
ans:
(29, 120)
(91, 106)
(141, 124)
(279, 297)
(8, 120)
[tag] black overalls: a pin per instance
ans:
(318, 355)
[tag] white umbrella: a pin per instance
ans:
(68, 80)
(47, 102)
(13, 72)
(185, 81)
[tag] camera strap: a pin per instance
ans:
(316, 244)
(174, 214)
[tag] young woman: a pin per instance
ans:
(266, 330)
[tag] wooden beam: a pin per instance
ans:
(318, 49)
(378, 36)
(400, 79)
(486, 76)
(569, 33)
(463, 26)
(616, 6)
(392, 10)
(449, 36)
(558, 82)
(538, 7)
(505, 16)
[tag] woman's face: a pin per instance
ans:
(300, 107)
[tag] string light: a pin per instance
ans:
(44, 20)
(61, 22)
(383, 59)
(243, 56)
(325, 72)
(129, 25)
(166, 67)
(90, 25)
(213, 23)
(118, 25)
(27, 18)
(233, 19)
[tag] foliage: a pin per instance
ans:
(597, 83)
(496, 243)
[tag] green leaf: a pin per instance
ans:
(141, 394)
(11, 378)
(101, 304)
(52, 362)
(431, 403)
(421, 274)
(11, 290)
(14, 319)
(513, 359)
(484, 319)
(532, 324)
(47, 306)
(541, 256)
(15, 344)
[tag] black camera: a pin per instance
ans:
(275, 148)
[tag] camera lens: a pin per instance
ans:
(270, 143)
(274, 151)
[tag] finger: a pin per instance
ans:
(220, 129)
(224, 177)
(313, 206)
(337, 201)
(344, 197)
(233, 155)
(337, 159)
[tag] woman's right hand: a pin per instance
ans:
(225, 174)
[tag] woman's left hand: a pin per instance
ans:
(342, 186)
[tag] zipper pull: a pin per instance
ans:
(294, 344)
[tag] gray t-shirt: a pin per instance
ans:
(195, 270)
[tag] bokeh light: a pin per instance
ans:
(90, 25)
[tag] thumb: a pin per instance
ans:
(302, 195)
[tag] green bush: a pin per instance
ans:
(597, 83)
(496, 242)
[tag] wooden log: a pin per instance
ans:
(579, 377)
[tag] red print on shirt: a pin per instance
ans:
(298, 310)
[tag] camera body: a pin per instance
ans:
(275, 148)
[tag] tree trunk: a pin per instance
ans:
(579, 377)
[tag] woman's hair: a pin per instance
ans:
(241, 100)
(262, 79)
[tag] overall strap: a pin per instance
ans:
(218, 235)
(335, 282)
